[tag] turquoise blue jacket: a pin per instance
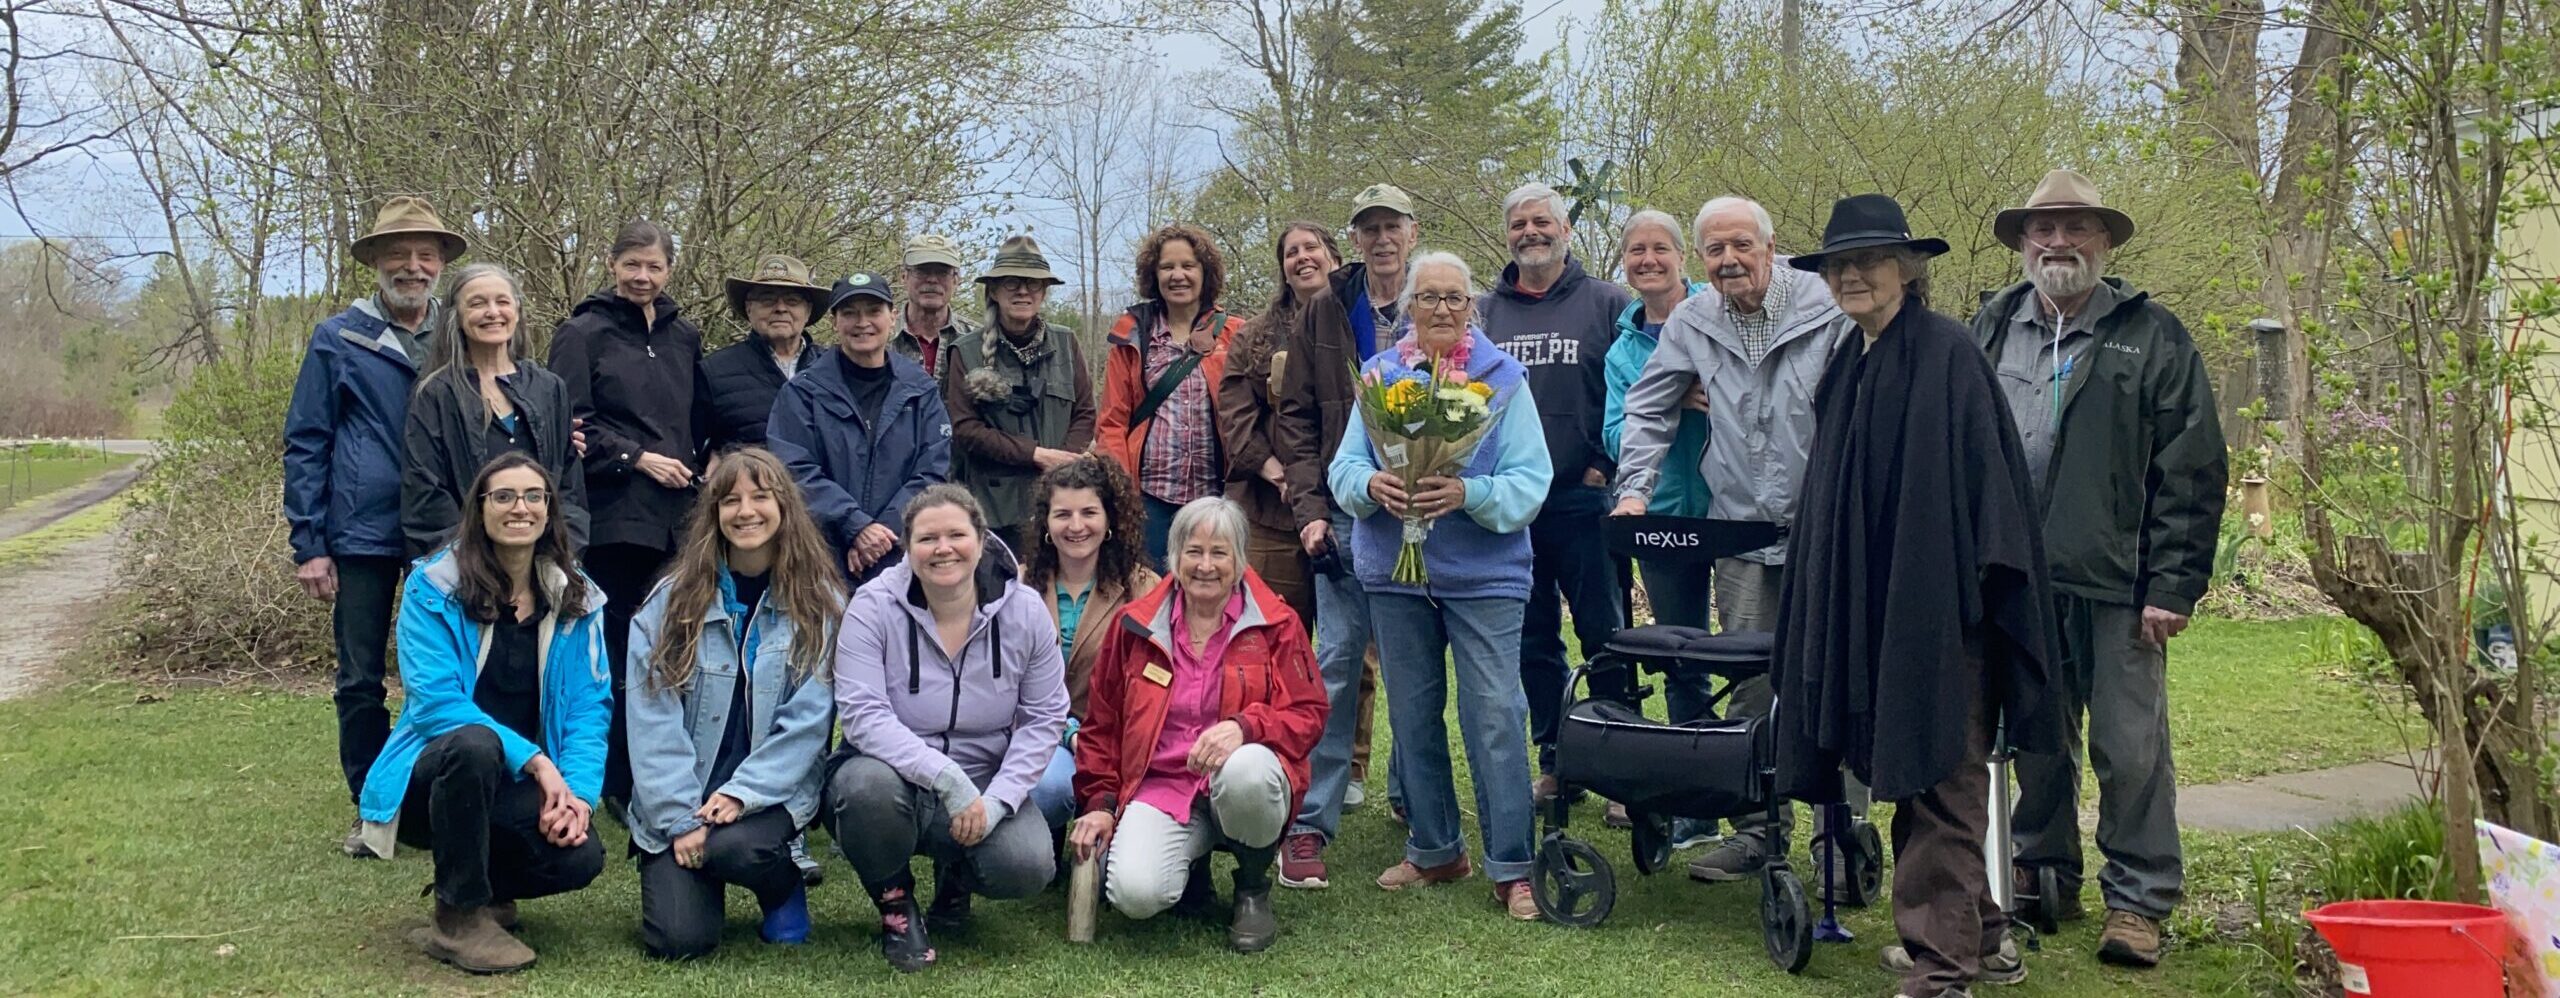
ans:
(441, 652)
(1682, 490)
(674, 735)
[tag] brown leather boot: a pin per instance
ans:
(470, 939)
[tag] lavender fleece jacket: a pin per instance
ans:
(985, 724)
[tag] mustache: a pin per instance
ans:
(1733, 270)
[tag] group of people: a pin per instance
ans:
(918, 584)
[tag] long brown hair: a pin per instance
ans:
(805, 584)
(1124, 550)
(1266, 333)
(483, 590)
(1285, 301)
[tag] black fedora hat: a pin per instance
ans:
(1862, 221)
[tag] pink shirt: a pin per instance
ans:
(1191, 708)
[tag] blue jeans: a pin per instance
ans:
(1415, 635)
(1569, 567)
(1159, 528)
(1055, 795)
(1342, 644)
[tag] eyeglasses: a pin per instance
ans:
(508, 497)
(1854, 260)
(1452, 303)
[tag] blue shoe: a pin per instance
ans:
(788, 923)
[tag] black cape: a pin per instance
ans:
(1915, 572)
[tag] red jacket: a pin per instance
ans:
(1125, 384)
(1269, 687)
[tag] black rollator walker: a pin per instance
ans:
(1707, 769)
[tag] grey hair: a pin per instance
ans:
(1718, 206)
(1914, 266)
(1534, 191)
(449, 348)
(1221, 515)
(1431, 258)
(1654, 217)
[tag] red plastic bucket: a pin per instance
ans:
(2417, 949)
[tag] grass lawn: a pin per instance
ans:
(36, 477)
(2253, 698)
(45, 541)
(216, 813)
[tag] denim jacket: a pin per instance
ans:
(674, 735)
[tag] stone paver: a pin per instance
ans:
(2299, 800)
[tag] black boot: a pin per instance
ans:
(1199, 898)
(1254, 928)
(950, 911)
(902, 932)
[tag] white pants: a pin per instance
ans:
(1151, 854)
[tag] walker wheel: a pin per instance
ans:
(2049, 900)
(1572, 884)
(1651, 835)
(1866, 866)
(1786, 920)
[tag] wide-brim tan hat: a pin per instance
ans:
(774, 270)
(2061, 190)
(408, 216)
(1020, 257)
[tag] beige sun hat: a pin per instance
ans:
(2062, 190)
(774, 270)
(408, 215)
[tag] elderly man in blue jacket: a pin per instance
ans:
(862, 430)
(342, 459)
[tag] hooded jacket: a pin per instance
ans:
(441, 653)
(1314, 398)
(1267, 684)
(859, 468)
(2134, 492)
(985, 722)
(735, 395)
(1125, 384)
(343, 436)
(1759, 419)
(446, 448)
(1682, 489)
(632, 382)
(1562, 338)
(674, 735)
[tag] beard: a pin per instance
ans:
(1543, 255)
(399, 301)
(2063, 280)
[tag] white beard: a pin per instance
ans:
(2063, 280)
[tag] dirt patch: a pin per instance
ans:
(51, 605)
(46, 509)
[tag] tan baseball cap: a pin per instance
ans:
(930, 248)
(1387, 196)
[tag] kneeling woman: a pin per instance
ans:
(954, 697)
(1203, 709)
(1088, 560)
(499, 753)
(729, 709)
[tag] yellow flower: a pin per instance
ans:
(1481, 389)
(1403, 394)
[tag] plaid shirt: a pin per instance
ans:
(1180, 462)
(1758, 329)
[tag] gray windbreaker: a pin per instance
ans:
(1759, 420)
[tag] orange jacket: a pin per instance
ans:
(1269, 686)
(1124, 382)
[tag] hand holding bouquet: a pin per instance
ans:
(1423, 421)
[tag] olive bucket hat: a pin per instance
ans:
(774, 270)
(1020, 257)
(407, 215)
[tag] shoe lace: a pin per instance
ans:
(1303, 848)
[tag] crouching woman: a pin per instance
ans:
(498, 756)
(954, 697)
(1203, 709)
(729, 709)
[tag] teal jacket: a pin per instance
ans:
(1681, 490)
(441, 652)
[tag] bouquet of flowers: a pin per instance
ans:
(1423, 420)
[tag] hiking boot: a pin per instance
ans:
(1616, 816)
(504, 913)
(787, 924)
(1405, 874)
(1735, 858)
(1254, 928)
(354, 845)
(2130, 940)
(1302, 862)
(2003, 967)
(902, 934)
(1516, 900)
(468, 938)
(811, 874)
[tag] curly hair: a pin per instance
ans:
(1123, 552)
(1213, 264)
(806, 588)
